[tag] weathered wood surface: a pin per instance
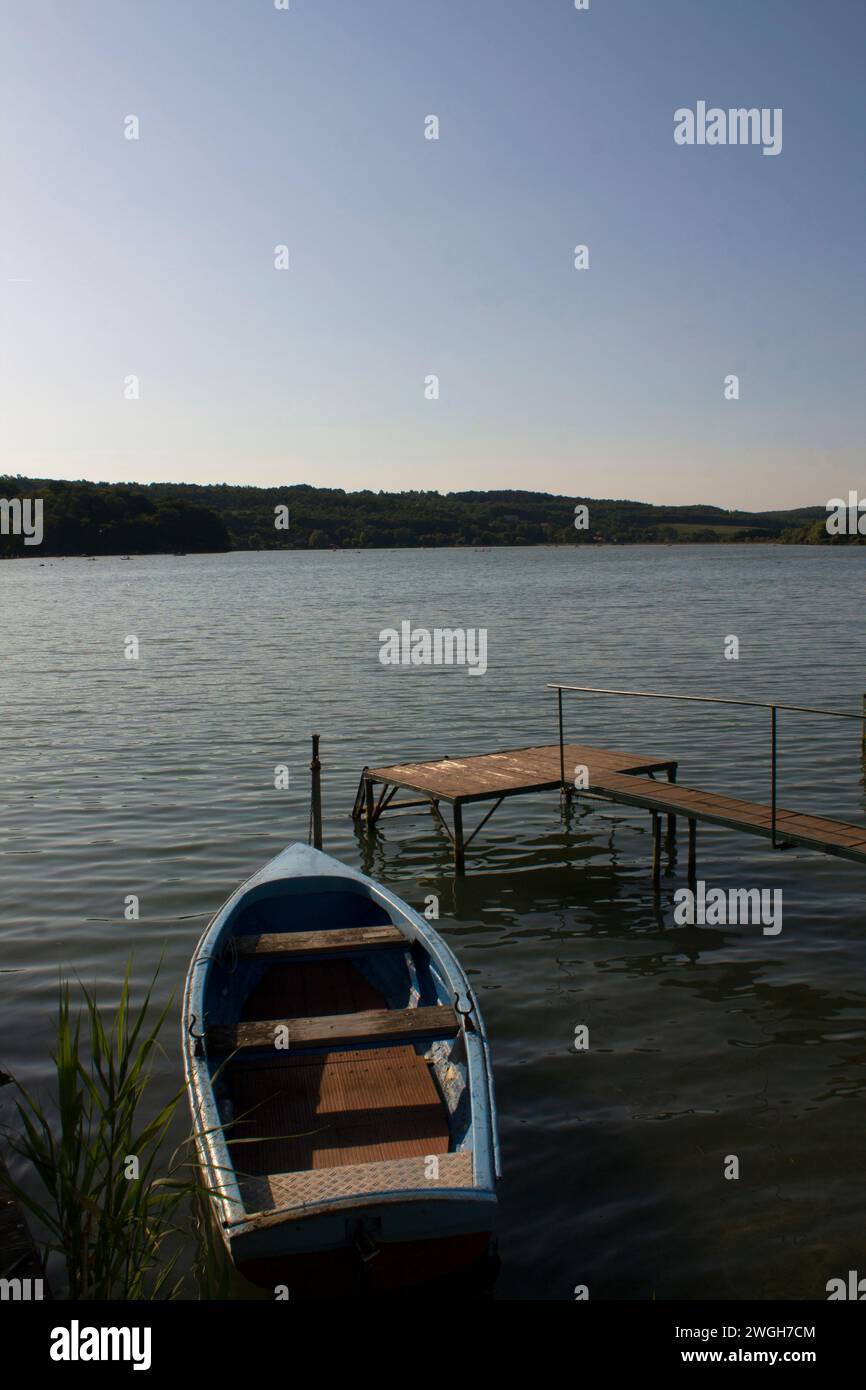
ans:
(279, 1191)
(308, 1109)
(617, 776)
(334, 1108)
(338, 1030)
(304, 943)
(814, 832)
(511, 772)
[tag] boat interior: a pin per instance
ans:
(373, 1082)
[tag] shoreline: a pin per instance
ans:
(33, 554)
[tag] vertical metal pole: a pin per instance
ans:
(657, 840)
(773, 775)
(672, 820)
(316, 794)
(459, 863)
(561, 744)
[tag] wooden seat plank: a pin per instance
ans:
(332, 942)
(338, 1030)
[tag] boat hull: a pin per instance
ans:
(399, 1241)
(401, 1219)
(403, 1264)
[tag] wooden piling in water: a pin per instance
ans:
(692, 866)
(657, 844)
(316, 796)
(459, 856)
(672, 820)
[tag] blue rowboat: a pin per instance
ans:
(339, 1079)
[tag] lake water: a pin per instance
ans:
(156, 778)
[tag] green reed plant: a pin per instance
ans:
(212, 1267)
(109, 1207)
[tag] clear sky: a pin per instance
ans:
(410, 257)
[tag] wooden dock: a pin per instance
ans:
(625, 778)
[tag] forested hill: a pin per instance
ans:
(81, 518)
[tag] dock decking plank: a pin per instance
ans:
(516, 770)
(793, 826)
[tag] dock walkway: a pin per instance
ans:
(624, 778)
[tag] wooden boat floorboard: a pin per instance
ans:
(305, 989)
(278, 1191)
(338, 1108)
(343, 1108)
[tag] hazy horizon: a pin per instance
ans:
(408, 257)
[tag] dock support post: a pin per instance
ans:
(368, 798)
(672, 820)
(562, 747)
(693, 835)
(773, 775)
(657, 840)
(316, 796)
(358, 805)
(459, 860)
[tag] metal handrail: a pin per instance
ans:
(704, 699)
(708, 700)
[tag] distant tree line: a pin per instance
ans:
(816, 533)
(82, 518)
